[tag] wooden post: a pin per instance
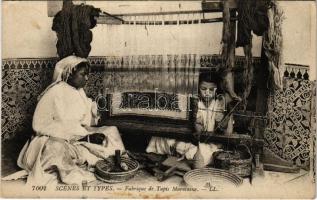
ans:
(262, 93)
(261, 105)
(228, 50)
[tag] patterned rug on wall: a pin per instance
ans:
(289, 132)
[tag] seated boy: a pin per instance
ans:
(209, 117)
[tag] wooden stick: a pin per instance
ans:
(110, 15)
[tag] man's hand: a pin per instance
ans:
(74, 139)
(91, 129)
(94, 109)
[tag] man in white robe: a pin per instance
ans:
(64, 115)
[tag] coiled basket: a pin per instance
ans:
(238, 162)
(103, 172)
(207, 177)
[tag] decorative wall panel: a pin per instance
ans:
(313, 132)
(289, 132)
(22, 81)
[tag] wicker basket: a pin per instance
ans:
(238, 162)
(102, 170)
(215, 177)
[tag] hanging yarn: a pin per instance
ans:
(82, 21)
(247, 75)
(61, 25)
(225, 37)
(273, 45)
(260, 22)
(228, 52)
(252, 16)
(245, 13)
(72, 25)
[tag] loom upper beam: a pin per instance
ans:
(103, 13)
(109, 20)
(106, 18)
(207, 7)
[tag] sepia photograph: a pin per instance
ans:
(158, 99)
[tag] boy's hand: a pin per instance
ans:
(236, 98)
(199, 128)
(222, 126)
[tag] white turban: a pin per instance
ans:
(63, 69)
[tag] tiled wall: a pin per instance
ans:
(22, 81)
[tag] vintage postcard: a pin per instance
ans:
(158, 99)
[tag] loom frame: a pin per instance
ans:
(255, 144)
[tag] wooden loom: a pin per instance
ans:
(228, 8)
